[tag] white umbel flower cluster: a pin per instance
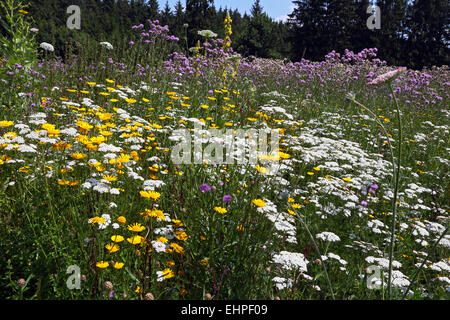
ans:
(291, 261)
(328, 236)
(107, 45)
(47, 46)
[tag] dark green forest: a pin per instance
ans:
(413, 33)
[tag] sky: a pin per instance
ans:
(276, 9)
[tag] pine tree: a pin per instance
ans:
(198, 17)
(256, 9)
(179, 21)
(429, 34)
(260, 37)
(309, 34)
(167, 16)
(153, 9)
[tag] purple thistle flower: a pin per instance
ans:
(205, 187)
(227, 198)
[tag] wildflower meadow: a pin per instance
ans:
(132, 170)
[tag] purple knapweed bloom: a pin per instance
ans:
(205, 187)
(226, 198)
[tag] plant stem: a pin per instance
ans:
(384, 131)
(397, 179)
(318, 252)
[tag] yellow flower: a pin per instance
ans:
(204, 262)
(131, 100)
(291, 212)
(240, 227)
(170, 263)
(104, 116)
(259, 202)
(296, 206)
(105, 133)
(154, 213)
(51, 130)
(84, 125)
(177, 223)
(61, 146)
(24, 169)
(102, 264)
(150, 194)
(137, 227)
(117, 238)
(138, 290)
(168, 273)
(118, 265)
(347, 179)
(177, 248)
(109, 178)
(162, 240)
(135, 239)
(122, 220)
(112, 247)
(123, 158)
(262, 169)
(220, 210)
(183, 292)
(78, 155)
(97, 220)
(181, 235)
(62, 182)
(284, 155)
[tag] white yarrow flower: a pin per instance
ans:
(107, 45)
(207, 34)
(328, 236)
(47, 46)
